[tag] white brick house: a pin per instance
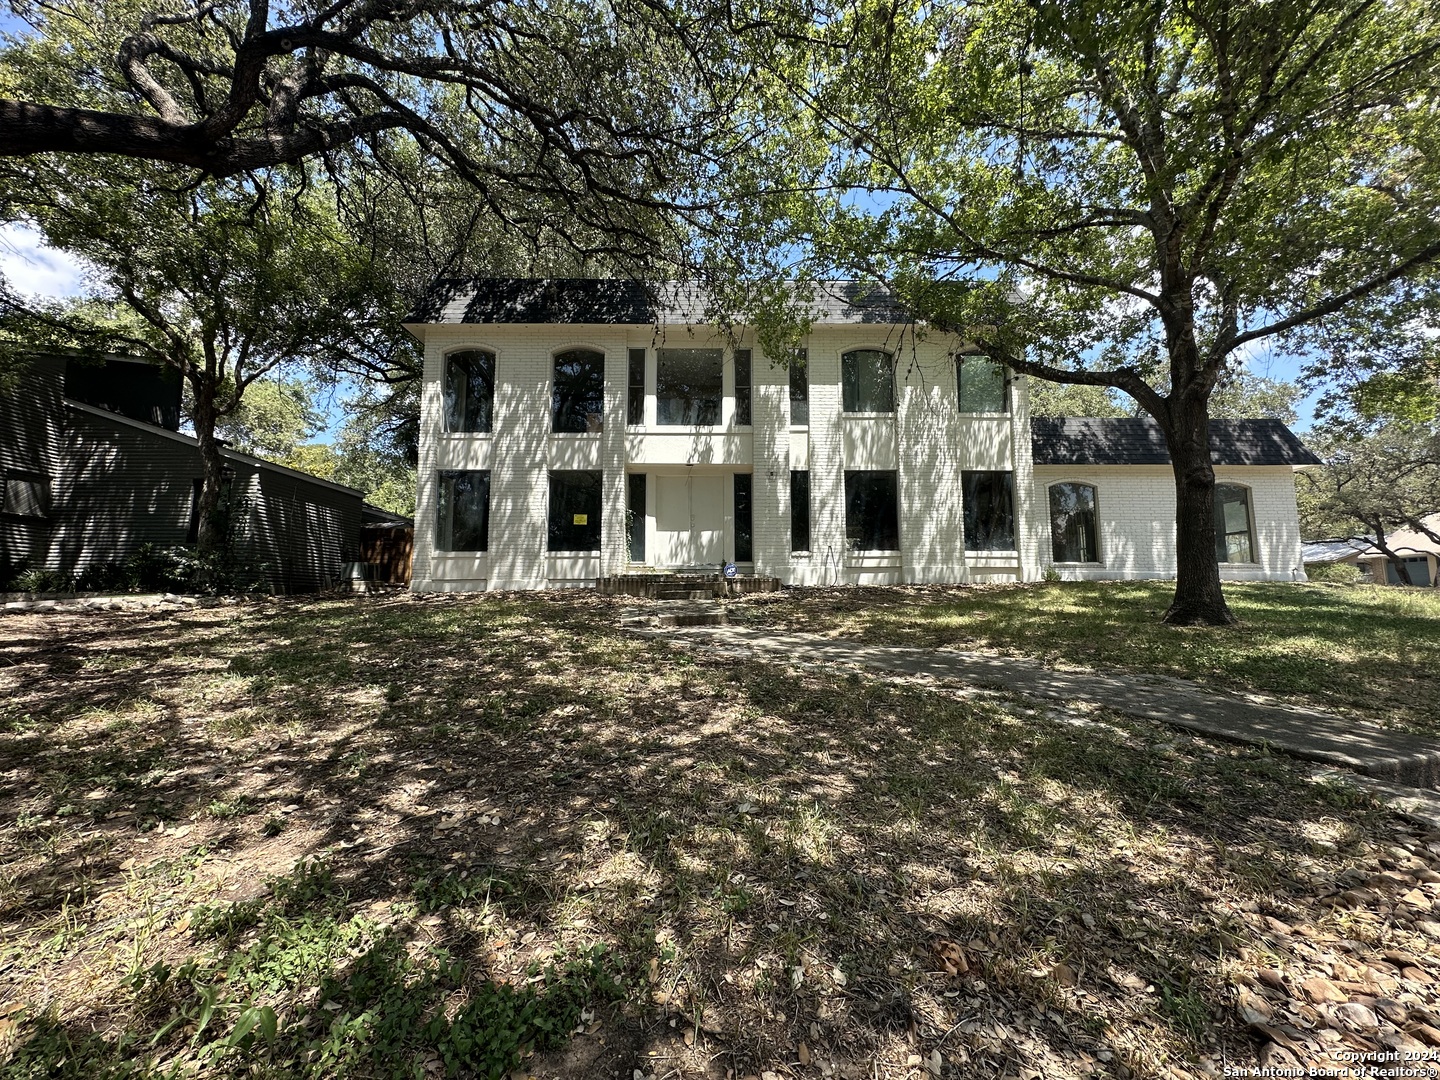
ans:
(577, 429)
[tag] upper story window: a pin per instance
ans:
(578, 403)
(1233, 542)
(800, 390)
(1072, 524)
(689, 387)
(462, 511)
(989, 504)
(867, 381)
(635, 388)
(982, 385)
(742, 387)
(469, 390)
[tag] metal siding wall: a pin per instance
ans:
(30, 422)
(301, 531)
(118, 487)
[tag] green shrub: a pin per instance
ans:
(1338, 573)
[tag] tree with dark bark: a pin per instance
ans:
(605, 111)
(1120, 194)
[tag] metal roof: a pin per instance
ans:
(1086, 440)
(624, 302)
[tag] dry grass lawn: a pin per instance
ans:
(490, 836)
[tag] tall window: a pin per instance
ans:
(867, 381)
(635, 516)
(872, 511)
(799, 510)
(742, 387)
(1072, 523)
(1232, 524)
(800, 390)
(574, 511)
(469, 390)
(462, 512)
(744, 546)
(635, 399)
(578, 403)
(982, 385)
(689, 385)
(989, 501)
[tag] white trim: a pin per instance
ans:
(225, 451)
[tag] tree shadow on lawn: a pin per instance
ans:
(1354, 650)
(767, 856)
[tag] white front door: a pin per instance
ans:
(689, 521)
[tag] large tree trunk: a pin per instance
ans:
(210, 534)
(1198, 598)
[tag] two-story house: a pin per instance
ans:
(579, 429)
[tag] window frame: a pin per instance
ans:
(693, 401)
(635, 388)
(852, 545)
(846, 383)
(744, 402)
(551, 530)
(1005, 406)
(599, 365)
(447, 412)
(742, 505)
(796, 519)
(965, 504)
(1222, 534)
(445, 532)
(1094, 521)
(42, 496)
(803, 370)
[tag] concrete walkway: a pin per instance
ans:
(1314, 736)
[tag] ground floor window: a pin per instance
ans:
(744, 547)
(989, 502)
(1072, 524)
(574, 511)
(872, 511)
(800, 510)
(1233, 543)
(1418, 567)
(25, 495)
(463, 511)
(635, 516)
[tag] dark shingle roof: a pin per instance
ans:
(1082, 440)
(608, 301)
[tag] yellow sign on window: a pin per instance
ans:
(582, 519)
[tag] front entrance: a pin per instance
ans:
(689, 521)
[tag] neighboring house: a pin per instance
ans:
(93, 467)
(578, 429)
(1420, 554)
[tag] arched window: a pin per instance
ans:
(1233, 540)
(1074, 537)
(578, 404)
(469, 390)
(867, 381)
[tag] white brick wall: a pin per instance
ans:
(1135, 505)
(928, 442)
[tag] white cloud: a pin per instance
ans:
(34, 269)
